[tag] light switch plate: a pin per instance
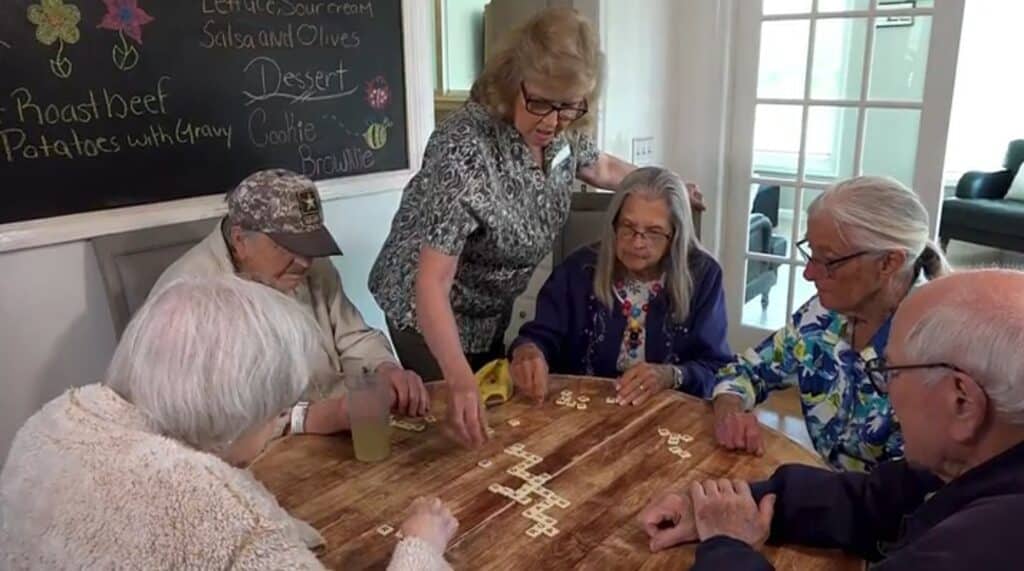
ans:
(643, 151)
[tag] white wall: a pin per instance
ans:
(55, 328)
(360, 225)
(666, 79)
(464, 42)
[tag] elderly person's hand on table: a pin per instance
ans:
(707, 509)
(410, 395)
(668, 520)
(726, 508)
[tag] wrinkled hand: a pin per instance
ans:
(529, 371)
(641, 382)
(668, 521)
(411, 397)
(466, 421)
(696, 197)
(736, 429)
(431, 521)
(726, 507)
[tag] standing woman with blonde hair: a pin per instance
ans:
(485, 208)
(867, 245)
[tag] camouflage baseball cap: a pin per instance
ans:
(285, 206)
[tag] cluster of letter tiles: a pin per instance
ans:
(567, 400)
(674, 440)
(533, 487)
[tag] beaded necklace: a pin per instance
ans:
(636, 315)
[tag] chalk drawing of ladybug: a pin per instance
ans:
(378, 94)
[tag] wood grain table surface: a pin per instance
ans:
(607, 460)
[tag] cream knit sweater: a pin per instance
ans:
(88, 486)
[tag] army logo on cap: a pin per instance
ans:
(309, 207)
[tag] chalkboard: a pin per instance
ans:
(110, 103)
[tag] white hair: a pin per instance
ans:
(982, 339)
(880, 214)
(206, 359)
(658, 183)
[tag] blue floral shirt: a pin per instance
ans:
(851, 425)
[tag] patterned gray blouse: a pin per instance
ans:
(479, 196)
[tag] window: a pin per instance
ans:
(987, 110)
(835, 76)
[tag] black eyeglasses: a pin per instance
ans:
(881, 373)
(830, 265)
(629, 232)
(543, 107)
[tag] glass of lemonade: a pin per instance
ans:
(369, 412)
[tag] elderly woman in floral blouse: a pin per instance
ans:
(645, 306)
(484, 210)
(866, 246)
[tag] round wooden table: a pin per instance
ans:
(607, 460)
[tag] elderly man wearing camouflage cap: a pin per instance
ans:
(274, 233)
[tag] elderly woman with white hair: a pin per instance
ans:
(144, 469)
(645, 306)
(866, 247)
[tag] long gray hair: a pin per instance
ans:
(880, 213)
(657, 183)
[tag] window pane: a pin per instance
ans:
(777, 140)
(786, 6)
(764, 300)
(771, 219)
(783, 61)
(890, 143)
(842, 5)
(831, 140)
(838, 58)
(809, 195)
(900, 58)
(803, 290)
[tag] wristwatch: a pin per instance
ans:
(298, 417)
(677, 378)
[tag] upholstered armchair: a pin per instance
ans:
(980, 213)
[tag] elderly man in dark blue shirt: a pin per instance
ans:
(955, 374)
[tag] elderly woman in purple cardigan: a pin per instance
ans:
(645, 306)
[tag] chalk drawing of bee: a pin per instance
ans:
(376, 135)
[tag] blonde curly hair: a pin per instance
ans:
(557, 48)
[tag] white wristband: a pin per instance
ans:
(298, 423)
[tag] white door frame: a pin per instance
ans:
(947, 17)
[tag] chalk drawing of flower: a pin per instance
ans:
(125, 17)
(57, 22)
